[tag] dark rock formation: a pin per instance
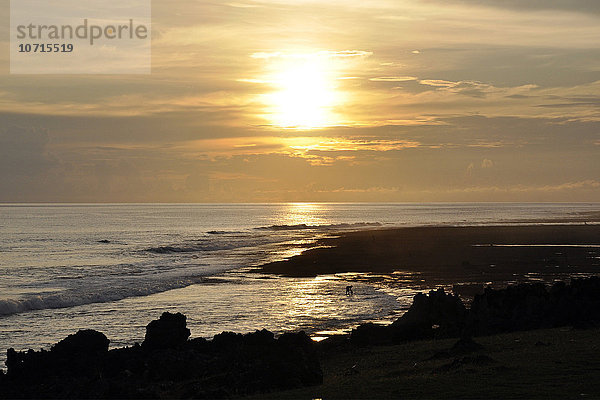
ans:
(533, 306)
(371, 334)
(169, 331)
(82, 344)
(437, 314)
(520, 307)
(71, 366)
(166, 365)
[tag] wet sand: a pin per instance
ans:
(450, 255)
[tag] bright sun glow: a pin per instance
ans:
(306, 96)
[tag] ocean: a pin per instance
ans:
(115, 267)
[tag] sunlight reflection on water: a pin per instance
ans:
(232, 302)
(91, 260)
(302, 213)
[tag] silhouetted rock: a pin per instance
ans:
(435, 314)
(514, 308)
(371, 334)
(168, 331)
(296, 339)
(518, 307)
(262, 337)
(70, 369)
(438, 313)
(532, 306)
(166, 365)
(83, 343)
(227, 340)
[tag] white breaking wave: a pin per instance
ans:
(102, 294)
(326, 226)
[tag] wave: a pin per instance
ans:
(328, 226)
(214, 244)
(228, 240)
(198, 247)
(74, 297)
(172, 249)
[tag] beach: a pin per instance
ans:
(116, 267)
(437, 255)
(359, 348)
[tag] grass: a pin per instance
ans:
(555, 363)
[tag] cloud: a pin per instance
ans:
(438, 83)
(518, 96)
(251, 80)
(318, 54)
(394, 78)
(541, 160)
(26, 167)
(196, 130)
(242, 5)
(581, 6)
(23, 151)
(581, 101)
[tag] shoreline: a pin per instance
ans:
(465, 280)
(525, 335)
(445, 255)
(369, 256)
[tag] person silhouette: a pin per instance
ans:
(349, 291)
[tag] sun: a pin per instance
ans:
(305, 96)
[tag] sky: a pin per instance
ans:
(291, 101)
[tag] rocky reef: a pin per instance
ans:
(437, 314)
(166, 364)
(515, 308)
